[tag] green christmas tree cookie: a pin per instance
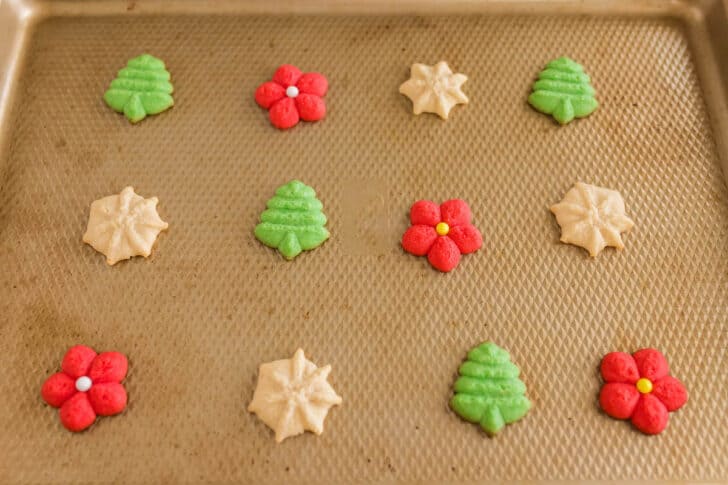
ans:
(142, 88)
(293, 221)
(488, 390)
(563, 91)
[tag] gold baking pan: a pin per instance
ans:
(212, 303)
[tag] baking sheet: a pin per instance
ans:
(198, 317)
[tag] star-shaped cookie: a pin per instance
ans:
(124, 225)
(592, 217)
(293, 395)
(434, 89)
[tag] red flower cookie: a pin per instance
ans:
(639, 387)
(442, 232)
(292, 96)
(87, 386)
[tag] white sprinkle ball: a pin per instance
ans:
(291, 91)
(83, 384)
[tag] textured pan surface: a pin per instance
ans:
(212, 303)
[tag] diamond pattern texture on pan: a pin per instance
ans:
(211, 303)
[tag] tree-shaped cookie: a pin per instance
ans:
(142, 88)
(563, 90)
(293, 221)
(488, 390)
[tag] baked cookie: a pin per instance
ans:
(124, 225)
(434, 89)
(293, 221)
(293, 395)
(592, 217)
(89, 385)
(142, 88)
(639, 387)
(564, 91)
(488, 391)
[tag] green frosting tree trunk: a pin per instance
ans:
(488, 390)
(564, 91)
(293, 221)
(142, 88)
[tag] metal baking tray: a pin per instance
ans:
(198, 317)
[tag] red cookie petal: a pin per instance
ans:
(671, 392)
(284, 114)
(310, 107)
(419, 239)
(444, 254)
(651, 364)
(618, 399)
(268, 93)
(425, 212)
(76, 413)
(650, 415)
(619, 367)
(313, 83)
(455, 212)
(287, 75)
(467, 238)
(107, 399)
(58, 389)
(108, 367)
(77, 361)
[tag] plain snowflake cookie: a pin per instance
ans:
(293, 396)
(592, 217)
(124, 225)
(434, 89)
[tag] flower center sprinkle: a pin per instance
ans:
(83, 384)
(442, 228)
(291, 91)
(644, 385)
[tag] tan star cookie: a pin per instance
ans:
(592, 217)
(293, 395)
(124, 225)
(434, 89)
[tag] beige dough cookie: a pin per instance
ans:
(592, 217)
(434, 89)
(293, 395)
(124, 225)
